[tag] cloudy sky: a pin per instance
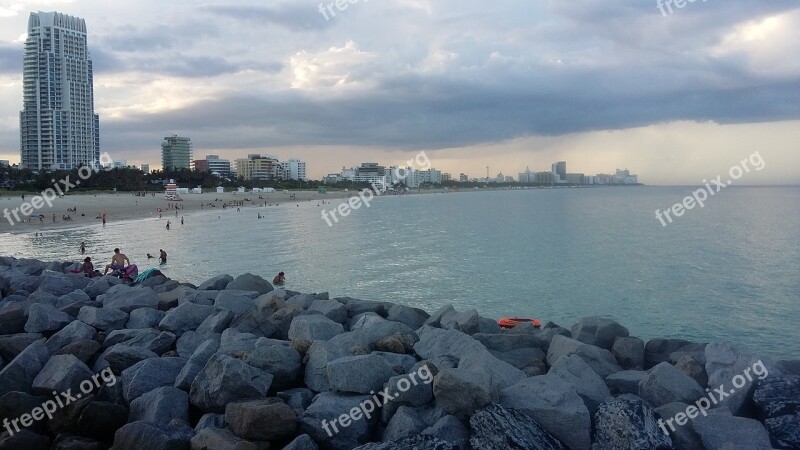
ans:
(507, 84)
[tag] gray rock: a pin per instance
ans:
(468, 322)
(18, 375)
(302, 442)
(499, 428)
(156, 341)
(216, 323)
(261, 420)
(99, 286)
(435, 320)
(195, 364)
(598, 331)
(413, 317)
(225, 379)
(405, 422)
(331, 309)
(314, 327)
(250, 282)
(629, 352)
(625, 382)
(417, 442)
(24, 439)
(555, 406)
(255, 322)
(161, 405)
(210, 420)
(451, 385)
(120, 357)
(298, 398)
(12, 345)
(204, 297)
(693, 366)
(60, 284)
(45, 318)
(152, 436)
(785, 366)
(628, 422)
(657, 351)
(600, 360)
(217, 283)
(523, 358)
(190, 341)
(100, 420)
(777, 400)
(148, 375)
(283, 362)
(217, 438)
(234, 302)
(404, 361)
(683, 436)
(665, 384)
(724, 362)
(588, 385)
(127, 299)
(359, 374)
(106, 319)
(322, 422)
(356, 306)
(722, 431)
(145, 318)
(84, 350)
(185, 317)
(450, 429)
(412, 389)
(75, 331)
(12, 319)
(61, 373)
(505, 342)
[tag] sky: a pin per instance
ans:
(674, 97)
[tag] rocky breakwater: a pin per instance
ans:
(235, 364)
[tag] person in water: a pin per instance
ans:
(279, 279)
(163, 256)
(149, 256)
(117, 261)
(83, 247)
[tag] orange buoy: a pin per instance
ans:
(511, 322)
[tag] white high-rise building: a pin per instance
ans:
(295, 169)
(58, 126)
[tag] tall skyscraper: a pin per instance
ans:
(176, 153)
(58, 126)
(560, 171)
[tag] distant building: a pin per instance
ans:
(213, 164)
(527, 177)
(625, 177)
(119, 164)
(4, 163)
(372, 173)
(294, 169)
(559, 170)
(176, 153)
(546, 178)
(575, 178)
(463, 178)
(257, 167)
(146, 168)
(446, 177)
(58, 126)
(604, 178)
(431, 176)
(332, 178)
(509, 179)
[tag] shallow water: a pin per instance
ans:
(728, 271)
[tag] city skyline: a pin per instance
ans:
(335, 91)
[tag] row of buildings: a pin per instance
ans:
(384, 177)
(558, 175)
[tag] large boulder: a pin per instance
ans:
(13, 344)
(60, 374)
(145, 318)
(127, 299)
(450, 386)
(156, 341)
(161, 405)
(99, 420)
(317, 358)
(331, 309)
(625, 382)
(657, 351)
(216, 323)
(506, 342)
(499, 428)
(250, 282)
(405, 422)
(724, 431)
(629, 352)
(105, 319)
(331, 424)
(60, 284)
(724, 363)
(414, 442)
(683, 436)
(226, 379)
(234, 301)
(313, 328)
(195, 364)
(361, 374)
(628, 422)
(217, 283)
(261, 420)
(148, 375)
(282, 361)
(12, 319)
(665, 384)
(598, 331)
(120, 357)
(185, 317)
(591, 388)
(152, 436)
(84, 350)
(413, 317)
(215, 438)
(74, 332)
(600, 360)
(555, 405)
(18, 375)
(44, 318)
(777, 401)
(468, 322)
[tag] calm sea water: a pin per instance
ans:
(730, 271)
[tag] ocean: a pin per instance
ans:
(729, 271)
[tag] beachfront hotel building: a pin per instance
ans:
(258, 167)
(176, 153)
(214, 165)
(294, 169)
(58, 126)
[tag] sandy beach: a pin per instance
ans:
(125, 206)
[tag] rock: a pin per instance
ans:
(99, 286)
(554, 405)
(523, 358)
(211, 420)
(628, 422)
(450, 386)
(214, 438)
(298, 398)
(61, 373)
(683, 436)
(250, 282)
(413, 389)
(161, 405)
(413, 317)
(99, 420)
(625, 382)
(588, 385)
(450, 429)
(723, 431)
(105, 319)
(261, 420)
(195, 364)
(395, 359)
(152, 436)
(435, 320)
(166, 286)
(657, 351)
(629, 352)
(127, 299)
(777, 400)
(405, 422)
(724, 363)
(19, 374)
(418, 442)
(665, 384)
(120, 357)
(283, 362)
(359, 374)
(145, 318)
(185, 317)
(74, 297)
(75, 331)
(390, 344)
(234, 302)
(12, 319)
(25, 439)
(204, 297)
(225, 379)
(468, 322)
(598, 331)
(149, 374)
(329, 424)
(60, 284)
(217, 283)
(216, 323)
(786, 366)
(83, 350)
(600, 360)
(190, 341)
(331, 309)
(314, 327)
(505, 342)
(255, 322)
(15, 404)
(66, 441)
(302, 442)
(153, 340)
(692, 366)
(499, 428)
(282, 319)
(12, 345)
(45, 318)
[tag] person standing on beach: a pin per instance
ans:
(83, 248)
(162, 259)
(117, 261)
(103, 216)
